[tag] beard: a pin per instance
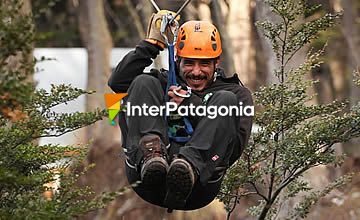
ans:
(196, 77)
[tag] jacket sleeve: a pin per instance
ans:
(245, 124)
(132, 65)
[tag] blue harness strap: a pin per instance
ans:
(184, 122)
(171, 81)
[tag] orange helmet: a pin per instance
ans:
(198, 39)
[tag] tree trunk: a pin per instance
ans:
(136, 19)
(351, 31)
(239, 26)
(220, 22)
(262, 70)
(191, 11)
(204, 11)
(340, 73)
(14, 62)
(262, 13)
(350, 27)
(344, 87)
(97, 40)
(109, 172)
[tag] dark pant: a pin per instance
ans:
(209, 148)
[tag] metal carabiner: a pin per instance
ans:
(170, 20)
(164, 24)
(173, 26)
(187, 95)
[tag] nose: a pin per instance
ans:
(196, 69)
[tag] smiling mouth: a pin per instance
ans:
(196, 81)
(200, 77)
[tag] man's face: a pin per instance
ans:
(197, 73)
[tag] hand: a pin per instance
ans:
(153, 30)
(173, 97)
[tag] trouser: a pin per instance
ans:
(208, 150)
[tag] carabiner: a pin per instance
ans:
(187, 95)
(173, 26)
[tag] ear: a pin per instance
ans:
(177, 60)
(217, 62)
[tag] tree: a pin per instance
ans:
(240, 26)
(219, 20)
(350, 44)
(293, 136)
(25, 115)
(97, 40)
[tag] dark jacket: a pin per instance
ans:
(134, 63)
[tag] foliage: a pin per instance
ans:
(58, 26)
(293, 135)
(302, 209)
(56, 23)
(27, 114)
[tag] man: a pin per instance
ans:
(178, 175)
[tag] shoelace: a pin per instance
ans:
(153, 151)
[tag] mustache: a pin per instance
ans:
(196, 77)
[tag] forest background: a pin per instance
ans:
(100, 26)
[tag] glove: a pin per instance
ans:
(153, 31)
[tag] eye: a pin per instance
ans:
(205, 62)
(188, 62)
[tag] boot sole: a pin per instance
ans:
(179, 183)
(154, 172)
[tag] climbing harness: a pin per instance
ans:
(179, 128)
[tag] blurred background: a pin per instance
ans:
(87, 38)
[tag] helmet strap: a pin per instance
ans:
(215, 76)
(215, 68)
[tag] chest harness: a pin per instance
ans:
(179, 127)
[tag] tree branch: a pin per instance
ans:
(258, 192)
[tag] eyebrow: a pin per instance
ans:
(200, 60)
(188, 60)
(205, 61)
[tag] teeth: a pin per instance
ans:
(196, 80)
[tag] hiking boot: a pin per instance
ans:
(180, 180)
(154, 164)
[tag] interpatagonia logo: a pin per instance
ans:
(113, 106)
(112, 101)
